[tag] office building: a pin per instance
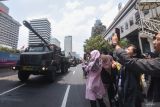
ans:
(98, 28)
(43, 28)
(68, 45)
(55, 41)
(9, 28)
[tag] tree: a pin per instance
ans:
(98, 43)
(5, 49)
(124, 43)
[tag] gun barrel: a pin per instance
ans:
(28, 25)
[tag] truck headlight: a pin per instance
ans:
(43, 68)
(14, 68)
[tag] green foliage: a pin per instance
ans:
(98, 43)
(124, 43)
(5, 49)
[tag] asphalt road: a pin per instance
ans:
(67, 91)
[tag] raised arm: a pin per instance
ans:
(146, 66)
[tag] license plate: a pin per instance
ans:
(27, 68)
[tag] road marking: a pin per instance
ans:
(12, 89)
(73, 72)
(9, 77)
(65, 96)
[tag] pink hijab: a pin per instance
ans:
(95, 62)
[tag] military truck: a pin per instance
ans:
(41, 59)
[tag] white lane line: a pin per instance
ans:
(65, 96)
(9, 77)
(12, 89)
(73, 72)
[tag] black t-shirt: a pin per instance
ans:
(105, 76)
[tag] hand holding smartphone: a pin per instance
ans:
(115, 39)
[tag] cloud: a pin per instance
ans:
(78, 24)
(23, 37)
(74, 19)
(107, 6)
(72, 5)
(107, 19)
(109, 11)
(70, 18)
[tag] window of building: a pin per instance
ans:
(137, 17)
(122, 29)
(131, 22)
(145, 45)
(126, 25)
(146, 12)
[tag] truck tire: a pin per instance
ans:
(23, 76)
(51, 76)
(64, 68)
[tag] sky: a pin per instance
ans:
(67, 17)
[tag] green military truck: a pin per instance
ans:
(41, 59)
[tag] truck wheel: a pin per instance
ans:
(62, 69)
(51, 76)
(23, 76)
(66, 68)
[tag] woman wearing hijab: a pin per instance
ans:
(94, 86)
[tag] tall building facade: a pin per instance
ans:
(9, 28)
(43, 27)
(68, 45)
(55, 41)
(98, 28)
